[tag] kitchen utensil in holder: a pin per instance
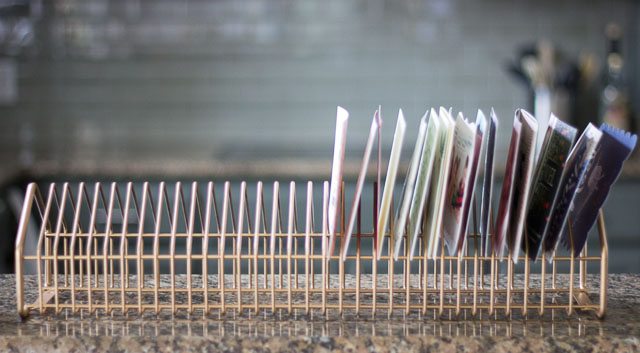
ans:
(85, 259)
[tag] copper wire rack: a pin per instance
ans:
(105, 249)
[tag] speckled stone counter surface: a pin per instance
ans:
(554, 331)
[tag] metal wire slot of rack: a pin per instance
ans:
(99, 252)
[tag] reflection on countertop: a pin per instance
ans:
(300, 324)
(619, 331)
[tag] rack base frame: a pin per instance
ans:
(95, 265)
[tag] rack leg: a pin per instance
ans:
(604, 263)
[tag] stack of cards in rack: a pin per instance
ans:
(546, 199)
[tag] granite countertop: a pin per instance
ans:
(554, 331)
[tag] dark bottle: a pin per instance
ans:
(614, 102)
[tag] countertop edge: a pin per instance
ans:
(319, 343)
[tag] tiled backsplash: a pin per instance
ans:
(203, 80)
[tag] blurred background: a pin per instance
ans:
(245, 90)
